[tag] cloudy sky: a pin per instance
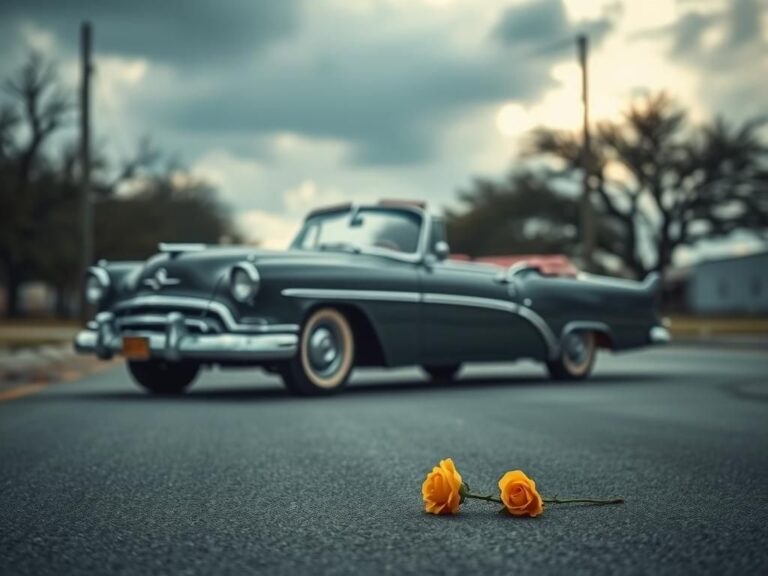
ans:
(289, 104)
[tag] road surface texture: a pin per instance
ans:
(237, 477)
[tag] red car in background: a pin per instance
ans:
(547, 264)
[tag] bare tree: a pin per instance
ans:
(44, 109)
(665, 185)
(39, 193)
(38, 108)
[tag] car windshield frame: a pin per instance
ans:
(355, 211)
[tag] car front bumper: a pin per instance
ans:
(176, 343)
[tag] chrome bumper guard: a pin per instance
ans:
(176, 343)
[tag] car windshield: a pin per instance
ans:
(368, 228)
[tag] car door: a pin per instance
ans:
(471, 313)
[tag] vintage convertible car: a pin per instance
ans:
(359, 286)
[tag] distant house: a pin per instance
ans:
(730, 285)
(35, 299)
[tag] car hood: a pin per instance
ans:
(201, 273)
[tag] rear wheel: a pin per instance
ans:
(326, 355)
(163, 378)
(442, 373)
(577, 357)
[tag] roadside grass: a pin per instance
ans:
(10, 343)
(33, 332)
(45, 322)
(703, 326)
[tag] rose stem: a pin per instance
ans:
(479, 497)
(583, 501)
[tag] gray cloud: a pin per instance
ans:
(740, 22)
(542, 27)
(734, 66)
(388, 97)
(389, 102)
(744, 22)
(533, 22)
(689, 32)
(177, 32)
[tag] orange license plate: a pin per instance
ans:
(136, 348)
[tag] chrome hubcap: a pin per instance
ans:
(325, 353)
(576, 349)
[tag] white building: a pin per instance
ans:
(730, 285)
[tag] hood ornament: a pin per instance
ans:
(160, 280)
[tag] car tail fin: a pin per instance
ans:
(652, 290)
(652, 282)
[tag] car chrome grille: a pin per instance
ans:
(155, 319)
(155, 313)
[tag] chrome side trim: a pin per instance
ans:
(492, 304)
(329, 294)
(204, 305)
(472, 301)
(537, 321)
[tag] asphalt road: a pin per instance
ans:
(237, 477)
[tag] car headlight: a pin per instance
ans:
(96, 285)
(244, 282)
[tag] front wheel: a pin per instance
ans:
(163, 378)
(326, 355)
(577, 357)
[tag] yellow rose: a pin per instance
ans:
(519, 494)
(441, 490)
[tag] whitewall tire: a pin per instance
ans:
(326, 355)
(576, 358)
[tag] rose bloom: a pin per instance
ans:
(519, 494)
(441, 489)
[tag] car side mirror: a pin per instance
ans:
(441, 250)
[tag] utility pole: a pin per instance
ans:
(587, 217)
(85, 161)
